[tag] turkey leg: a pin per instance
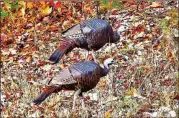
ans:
(75, 97)
(86, 55)
(82, 102)
(94, 57)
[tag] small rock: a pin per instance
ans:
(175, 32)
(172, 113)
(139, 35)
(154, 114)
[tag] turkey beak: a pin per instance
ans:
(113, 63)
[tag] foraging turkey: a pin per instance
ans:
(81, 77)
(90, 34)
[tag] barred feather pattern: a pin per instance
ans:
(87, 74)
(68, 44)
(84, 75)
(101, 32)
(89, 34)
(63, 78)
(92, 33)
(74, 32)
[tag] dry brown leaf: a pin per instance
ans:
(156, 5)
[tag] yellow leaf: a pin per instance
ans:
(21, 65)
(28, 59)
(29, 4)
(132, 92)
(22, 3)
(108, 114)
(43, 3)
(23, 11)
(45, 10)
(102, 84)
(65, 24)
(146, 68)
(128, 114)
(149, 36)
(62, 66)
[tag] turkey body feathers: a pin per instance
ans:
(89, 34)
(83, 75)
(101, 32)
(87, 74)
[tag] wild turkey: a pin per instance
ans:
(81, 77)
(89, 34)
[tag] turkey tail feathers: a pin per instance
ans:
(66, 46)
(57, 55)
(44, 95)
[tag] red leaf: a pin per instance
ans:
(171, 56)
(125, 86)
(144, 108)
(114, 12)
(138, 82)
(119, 76)
(7, 95)
(167, 83)
(143, 5)
(52, 4)
(176, 97)
(40, 108)
(18, 34)
(58, 5)
(87, 98)
(53, 28)
(3, 37)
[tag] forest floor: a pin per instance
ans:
(144, 84)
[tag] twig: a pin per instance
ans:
(108, 101)
(145, 78)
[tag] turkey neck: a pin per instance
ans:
(116, 37)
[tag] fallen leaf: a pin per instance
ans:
(29, 5)
(156, 5)
(47, 67)
(56, 5)
(108, 114)
(12, 51)
(171, 56)
(173, 114)
(131, 92)
(102, 84)
(45, 10)
(22, 3)
(29, 59)
(176, 97)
